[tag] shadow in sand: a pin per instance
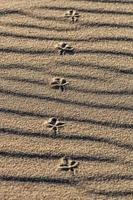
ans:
(10, 12)
(94, 11)
(108, 1)
(69, 52)
(71, 137)
(43, 38)
(22, 66)
(35, 26)
(25, 51)
(107, 178)
(71, 64)
(68, 102)
(106, 52)
(113, 193)
(48, 18)
(105, 24)
(23, 113)
(46, 180)
(24, 80)
(81, 157)
(117, 38)
(26, 14)
(96, 66)
(75, 76)
(102, 92)
(16, 154)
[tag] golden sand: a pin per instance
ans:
(97, 105)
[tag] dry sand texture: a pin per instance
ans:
(97, 105)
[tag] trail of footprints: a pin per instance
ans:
(66, 164)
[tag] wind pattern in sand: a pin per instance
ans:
(97, 105)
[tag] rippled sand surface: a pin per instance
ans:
(97, 105)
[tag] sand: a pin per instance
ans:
(97, 105)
